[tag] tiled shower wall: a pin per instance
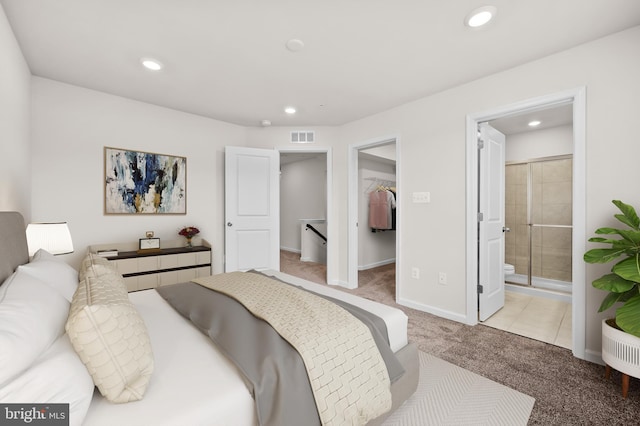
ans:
(551, 204)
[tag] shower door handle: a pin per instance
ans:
(505, 229)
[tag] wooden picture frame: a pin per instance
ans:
(138, 182)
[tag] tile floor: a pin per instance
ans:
(538, 318)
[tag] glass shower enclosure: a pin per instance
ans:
(538, 211)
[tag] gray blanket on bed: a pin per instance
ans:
(273, 370)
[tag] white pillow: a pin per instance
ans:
(53, 271)
(111, 338)
(56, 376)
(32, 317)
(42, 254)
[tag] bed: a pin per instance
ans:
(193, 380)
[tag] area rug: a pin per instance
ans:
(450, 395)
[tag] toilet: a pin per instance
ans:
(509, 269)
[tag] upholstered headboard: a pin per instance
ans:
(13, 243)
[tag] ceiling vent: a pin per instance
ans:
(302, 136)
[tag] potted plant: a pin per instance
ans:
(621, 334)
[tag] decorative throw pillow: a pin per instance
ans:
(32, 317)
(53, 271)
(111, 339)
(96, 266)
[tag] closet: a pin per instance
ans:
(377, 210)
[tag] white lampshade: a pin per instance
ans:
(53, 237)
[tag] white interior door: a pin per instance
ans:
(252, 209)
(491, 225)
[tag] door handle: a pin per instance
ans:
(505, 229)
(229, 224)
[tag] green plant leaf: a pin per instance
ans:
(612, 298)
(632, 236)
(613, 283)
(603, 255)
(628, 316)
(629, 216)
(614, 243)
(607, 230)
(629, 268)
(600, 240)
(609, 300)
(628, 295)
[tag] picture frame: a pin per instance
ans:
(146, 244)
(139, 182)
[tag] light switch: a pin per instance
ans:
(421, 197)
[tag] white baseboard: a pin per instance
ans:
(593, 356)
(376, 264)
(292, 250)
(341, 283)
(453, 316)
(314, 260)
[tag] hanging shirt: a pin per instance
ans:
(378, 209)
(380, 205)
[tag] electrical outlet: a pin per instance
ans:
(415, 273)
(442, 278)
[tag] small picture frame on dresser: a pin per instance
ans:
(148, 244)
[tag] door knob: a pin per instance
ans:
(229, 224)
(505, 229)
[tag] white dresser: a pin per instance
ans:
(144, 269)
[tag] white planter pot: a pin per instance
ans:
(621, 350)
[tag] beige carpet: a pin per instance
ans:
(450, 395)
(447, 394)
(568, 391)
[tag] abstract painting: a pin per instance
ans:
(144, 183)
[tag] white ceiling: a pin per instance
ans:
(227, 59)
(549, 117)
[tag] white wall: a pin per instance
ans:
(374, 248)
(70, 128)
(540, 143)
(433, 153)
(303, 195)
(15, 102)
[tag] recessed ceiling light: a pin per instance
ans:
(480, 16)
(151, 64)
(534, 123)
(290, 110)
(295, 45)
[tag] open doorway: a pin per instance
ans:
(537, 221)
(576, 98)
(374, 172)
(305, 199)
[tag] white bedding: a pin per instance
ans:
(193, 382)
(395, 319)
